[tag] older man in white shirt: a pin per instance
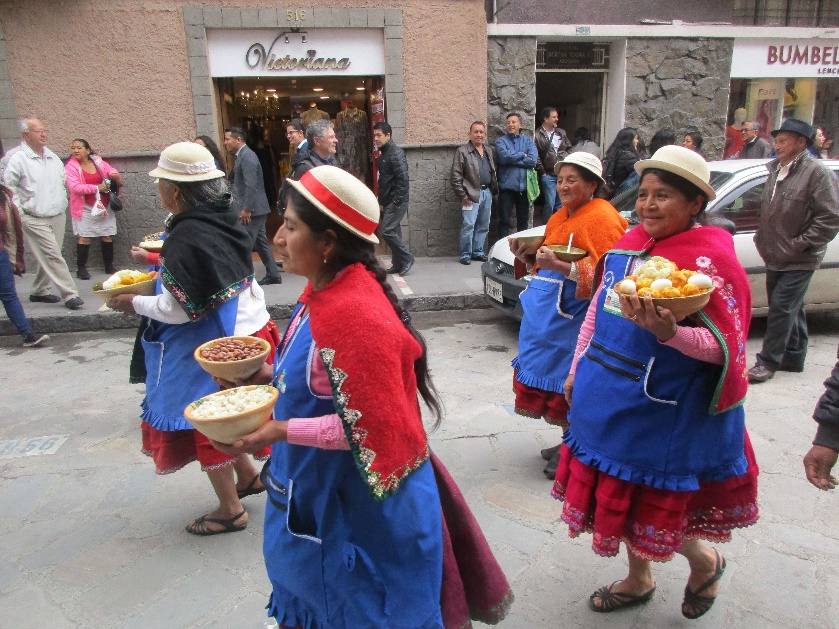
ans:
(35, 176)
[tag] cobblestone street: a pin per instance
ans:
(90, 537)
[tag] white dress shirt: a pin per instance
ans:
(37, 183)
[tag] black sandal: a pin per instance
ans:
(199, 527)
(613, 601)
(701, 604)
(249, 490)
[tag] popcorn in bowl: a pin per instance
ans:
(231, 402)
(127, 278)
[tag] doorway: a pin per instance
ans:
(578, 97)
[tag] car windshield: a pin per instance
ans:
(625, 201)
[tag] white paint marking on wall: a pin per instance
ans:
(15, 448)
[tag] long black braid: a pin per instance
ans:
(351, 249)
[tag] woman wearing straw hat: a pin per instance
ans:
(353, 530)
(556, 299)
(657, 455)
(205, 291)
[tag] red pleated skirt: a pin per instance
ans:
(173, 449)
(653, 523)
(536, 403)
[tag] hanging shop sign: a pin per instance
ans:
(572, 56)
(779, 58)
(298, 52)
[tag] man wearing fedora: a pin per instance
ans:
(798, 217)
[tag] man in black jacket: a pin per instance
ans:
(819, 461)
(322, 143)
(393, 196)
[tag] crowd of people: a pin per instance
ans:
(655, 455)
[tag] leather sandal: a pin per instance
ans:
(613, 601)
(199, 527)
(250, 490)
(694, 605)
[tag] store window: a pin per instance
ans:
(786, 12)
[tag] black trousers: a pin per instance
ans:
(259, 243)
(786, 326)
(507, 199)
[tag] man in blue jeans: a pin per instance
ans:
(474, 181)
(553, 146)
(516, 155)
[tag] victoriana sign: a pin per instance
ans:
(780, 58)
(264, 52)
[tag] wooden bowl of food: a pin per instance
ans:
(135, 282)
(531, 242)
(232, 357)
(231, 414)
(682, 307)
(568, 254)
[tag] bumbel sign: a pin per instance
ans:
(265, 52)
(258, 58)
(778, 58)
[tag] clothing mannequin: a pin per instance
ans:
(354, 152)
(733, 137)
(312, 114)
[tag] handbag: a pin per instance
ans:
(116, 203)
(532, 185)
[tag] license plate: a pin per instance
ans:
(493, 289)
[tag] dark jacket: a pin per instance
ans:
(516, 154)
(758, 149)
(827, 412)
(796, 224)
(393, 175)
(466, 171)
(616, 170)
(548, 157)
(302, 161)
(248, 191)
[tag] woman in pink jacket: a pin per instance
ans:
(87, 174)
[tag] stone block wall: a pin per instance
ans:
(511, 82)
(679, 83)
(432, 225)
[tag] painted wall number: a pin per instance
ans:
(296, 15)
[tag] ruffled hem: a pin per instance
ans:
(536, 381)
(290, 615)
(656, 480)
(168, 470)
(166, 423)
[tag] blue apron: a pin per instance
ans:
(173, 377)
(551, 323)
(337, 558)
(640, 408)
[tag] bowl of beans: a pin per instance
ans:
(232, 357)
(228, 415)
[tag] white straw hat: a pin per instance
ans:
(186, 161)
(589, 161)
(343, 198)
(683, 162)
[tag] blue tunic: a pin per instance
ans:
(551, 323)
(336, 558)
(173, 377)
(640, 408)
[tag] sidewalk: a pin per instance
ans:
(433, 284)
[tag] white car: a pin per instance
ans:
(739, 187)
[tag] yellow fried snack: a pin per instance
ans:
(643, 282)
(689, 289)
(663, 272)
(643, 292)
(667, 292)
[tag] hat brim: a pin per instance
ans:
(806, 137)
(163, 173)
(704, 186)
(319, 205)
(578, 165)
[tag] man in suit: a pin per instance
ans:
(754, 147)
(249, 200)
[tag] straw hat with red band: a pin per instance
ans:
(343, 198)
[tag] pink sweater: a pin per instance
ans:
(76, 185)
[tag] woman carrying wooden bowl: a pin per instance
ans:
(657, 454)
(557, 296)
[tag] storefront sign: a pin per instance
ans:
(754, 58)
(266, 52)
(571, 56)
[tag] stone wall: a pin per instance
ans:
(511, 82)
(679, 83)
(432, 226)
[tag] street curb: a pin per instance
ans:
(93, 321)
